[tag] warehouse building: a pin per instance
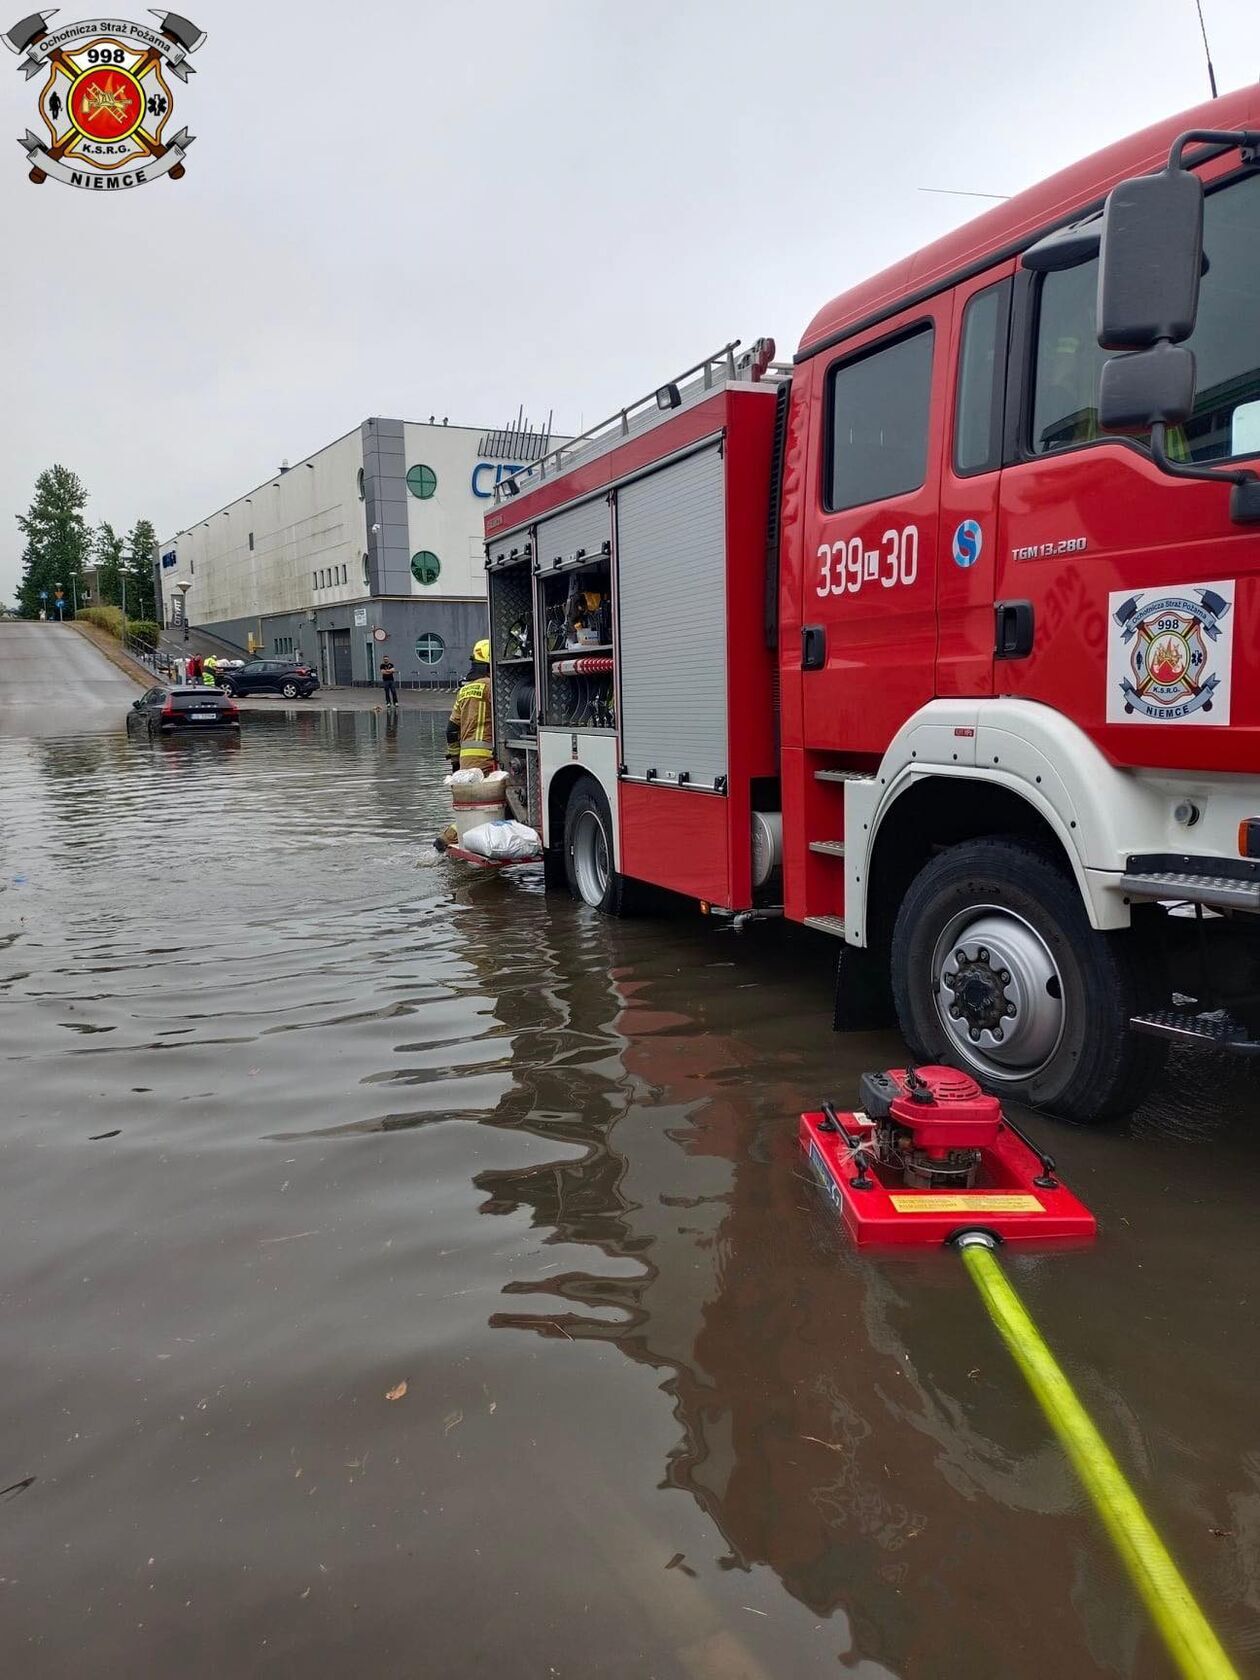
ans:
(371, 546)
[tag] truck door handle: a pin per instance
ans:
(1016, 628)
(813, 647)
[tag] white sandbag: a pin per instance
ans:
(464, 778)
(502, 842)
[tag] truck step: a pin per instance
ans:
(827, 924)
(842, 776)
(827, 848)
(1216, 1030)
(1219, 892)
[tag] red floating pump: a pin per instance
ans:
(929, 1156)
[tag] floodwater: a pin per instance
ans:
(408, 1273)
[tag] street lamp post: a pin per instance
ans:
(183, 612)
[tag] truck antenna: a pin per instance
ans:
(1207, 51)
(958, 192)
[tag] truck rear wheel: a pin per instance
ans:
(996, 969)
(588, 852)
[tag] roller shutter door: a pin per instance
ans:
(588, 526)
(671, 572)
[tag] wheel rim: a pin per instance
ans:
(999, 993)
(289, 691)
(590, 857)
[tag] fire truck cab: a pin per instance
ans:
(941, 640)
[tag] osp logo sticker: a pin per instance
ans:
(106, 102)
(1170, 655)
(968, 542)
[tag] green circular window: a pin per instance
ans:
(429, 648)
(422, 482)
(425, 566)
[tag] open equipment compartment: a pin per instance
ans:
(653, 670)
(514, 679)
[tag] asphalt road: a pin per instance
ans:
(54, 682)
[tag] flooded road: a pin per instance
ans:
(407, 1273)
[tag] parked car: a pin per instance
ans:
(272, 676)
(183, 706)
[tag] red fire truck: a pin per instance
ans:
(943, 640)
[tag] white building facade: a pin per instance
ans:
(371, 546)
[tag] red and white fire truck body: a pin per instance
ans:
(988, 670)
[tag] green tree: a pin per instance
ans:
(141, 548)
(107, 551)
(58, 541)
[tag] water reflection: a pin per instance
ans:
(360, 1115)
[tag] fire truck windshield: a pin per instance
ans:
(1226, 344)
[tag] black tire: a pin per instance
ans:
(230, 689)
(1057, 968)
(290, 690)
(588, 824)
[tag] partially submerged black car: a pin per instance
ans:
(187, 706)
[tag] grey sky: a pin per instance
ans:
(454, 208)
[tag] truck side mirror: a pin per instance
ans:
(1146, 388)
(1151, 259)
(1150, 264)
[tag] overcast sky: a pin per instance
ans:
(455, 208)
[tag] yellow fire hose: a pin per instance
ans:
(1184, 1628)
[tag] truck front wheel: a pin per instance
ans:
(588, 851)
(996, 969)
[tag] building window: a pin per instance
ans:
(429, 648)
(879, 408)
(422, 482)
(251, 542)
(367, 574)
(425, 566)
(344, 577)
(362, 486)
(314, 580)
(981, 382)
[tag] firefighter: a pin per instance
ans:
(468, 734)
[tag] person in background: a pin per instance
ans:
(193, 672)
(468, 734)
(389, 681)
(210, 671)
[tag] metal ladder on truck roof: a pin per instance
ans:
(722, 367)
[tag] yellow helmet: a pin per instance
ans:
(481, 651)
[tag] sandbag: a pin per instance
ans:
(502, 842)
